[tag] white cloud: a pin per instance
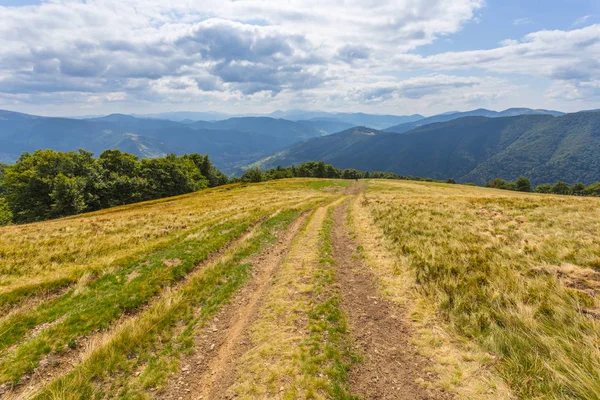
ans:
(581, 20)
(563, 56)
(265, 54)
(146, 49)
(522, 21)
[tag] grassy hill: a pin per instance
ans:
(307, 288)
(474, 149)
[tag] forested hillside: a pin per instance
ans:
(48, 184)
(475, 149)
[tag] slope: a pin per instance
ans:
(474, 149)
(481, 112)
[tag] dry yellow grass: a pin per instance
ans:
(502, 288)
(462, 368)
(62, 250)
(486, 263)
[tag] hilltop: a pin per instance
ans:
(273, 289)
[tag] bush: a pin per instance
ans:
(561, 188)
(578, 189)
(544, 188)
(252, 175)
(523, 184)
(593, 189)
(451, 181)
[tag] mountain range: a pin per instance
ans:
(472, 146)
(469, 149)
(481, 112)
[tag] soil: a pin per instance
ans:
(211, 370)
(390, 366)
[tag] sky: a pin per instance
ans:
(92, 57)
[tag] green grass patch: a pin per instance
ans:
(94, 306)
(154, 342)
(317, 185)
(327, 352)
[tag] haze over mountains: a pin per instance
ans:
(472, 146)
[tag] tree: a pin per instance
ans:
(578, 189)
(497, 183)
(50, 184)
(561, 188)
(68, 196)
(252, 175)
(5, 213)
(593, 189)
(523, 184)
(544, 188)
(451, 181)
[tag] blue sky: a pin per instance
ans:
(72, 57)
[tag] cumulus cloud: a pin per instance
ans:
(557, 55)
(241, 47)
(293, 53)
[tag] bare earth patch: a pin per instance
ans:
(211, 370)
(391, 368)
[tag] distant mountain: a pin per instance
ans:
(376, 121)
(289, 131)
(180, 116)
(230, 143)
(481, 112)
(470, 149)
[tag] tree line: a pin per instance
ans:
(49, 184)
(318, 169)
(523, 184)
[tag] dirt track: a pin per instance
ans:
(211, 370)
(390, 367)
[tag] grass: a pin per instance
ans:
(41, 258)
(501, 288)
(140, 343)
(327, 349)
(95, 306)
(485, 260)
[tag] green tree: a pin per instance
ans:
(497, 183)
(523, 184)
(68, 196)
(578, 189)
(252, 175)
(544, 188)
(451, 181)
(593, 189)
(561, 188)
(5, 213)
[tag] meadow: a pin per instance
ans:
(307, 288)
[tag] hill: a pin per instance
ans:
(230, 143)
(273, 290)
(474, 149)
(481, 112)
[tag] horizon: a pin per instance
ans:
(269, 115)
(387, 57)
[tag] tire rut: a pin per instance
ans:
(390, 367)
(211, 370)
